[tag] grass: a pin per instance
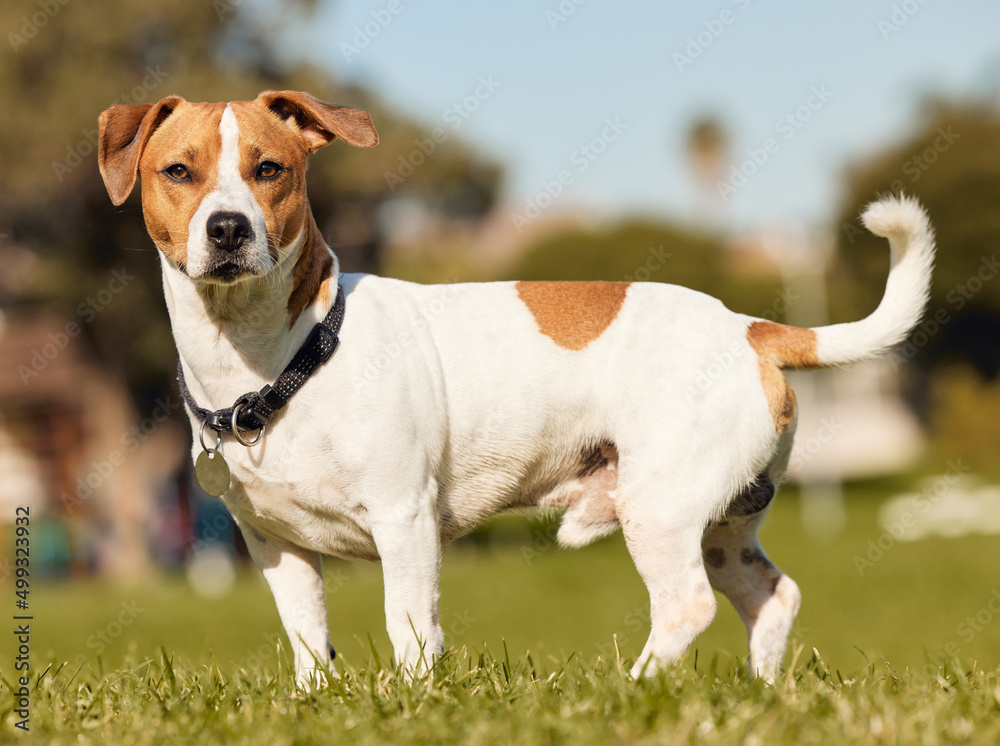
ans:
(540, 640)
(475, 698)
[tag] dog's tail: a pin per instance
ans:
(911, 241)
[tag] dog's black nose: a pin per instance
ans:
(228, 230)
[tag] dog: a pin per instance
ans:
(443, 405)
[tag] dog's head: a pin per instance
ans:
(223, 185)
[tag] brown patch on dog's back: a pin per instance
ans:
(778, 347)
(573, 314)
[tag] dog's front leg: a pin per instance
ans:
(295, 576)
(410, 548)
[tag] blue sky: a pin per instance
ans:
(561, 71)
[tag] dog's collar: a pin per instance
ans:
(252, 411)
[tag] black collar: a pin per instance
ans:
(253, 410)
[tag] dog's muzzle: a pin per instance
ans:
(229, 234)
(228, 231)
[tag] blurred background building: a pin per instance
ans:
(467, 184)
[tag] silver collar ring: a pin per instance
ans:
(236, 430)
(201, 437)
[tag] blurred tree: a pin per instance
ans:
(952, 164)
(963, 421)
(707, 145)
(708, 152)
(60, 238)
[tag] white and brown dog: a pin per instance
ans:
(446, 404)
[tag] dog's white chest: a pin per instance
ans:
(288, 485)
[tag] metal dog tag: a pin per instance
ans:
(212, 472)
(210, 468)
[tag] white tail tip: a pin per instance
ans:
(897, 216)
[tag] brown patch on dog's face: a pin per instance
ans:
(273, 164)
(224, 193)
(573, 314)
(777, 347)
(187, 141)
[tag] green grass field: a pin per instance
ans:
(539, 640)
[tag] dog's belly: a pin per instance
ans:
(581, 478)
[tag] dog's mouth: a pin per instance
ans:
(228, 273)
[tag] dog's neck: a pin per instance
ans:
(235, 338)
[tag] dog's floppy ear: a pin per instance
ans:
(319, 122)
(124, 132)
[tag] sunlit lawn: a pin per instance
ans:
(516, 586)
(512, 594)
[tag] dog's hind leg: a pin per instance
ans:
(666, 549)
(766, 599)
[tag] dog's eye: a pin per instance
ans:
(269, 170)
(177, 172)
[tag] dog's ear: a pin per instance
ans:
(319, 122)
(124, 132)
